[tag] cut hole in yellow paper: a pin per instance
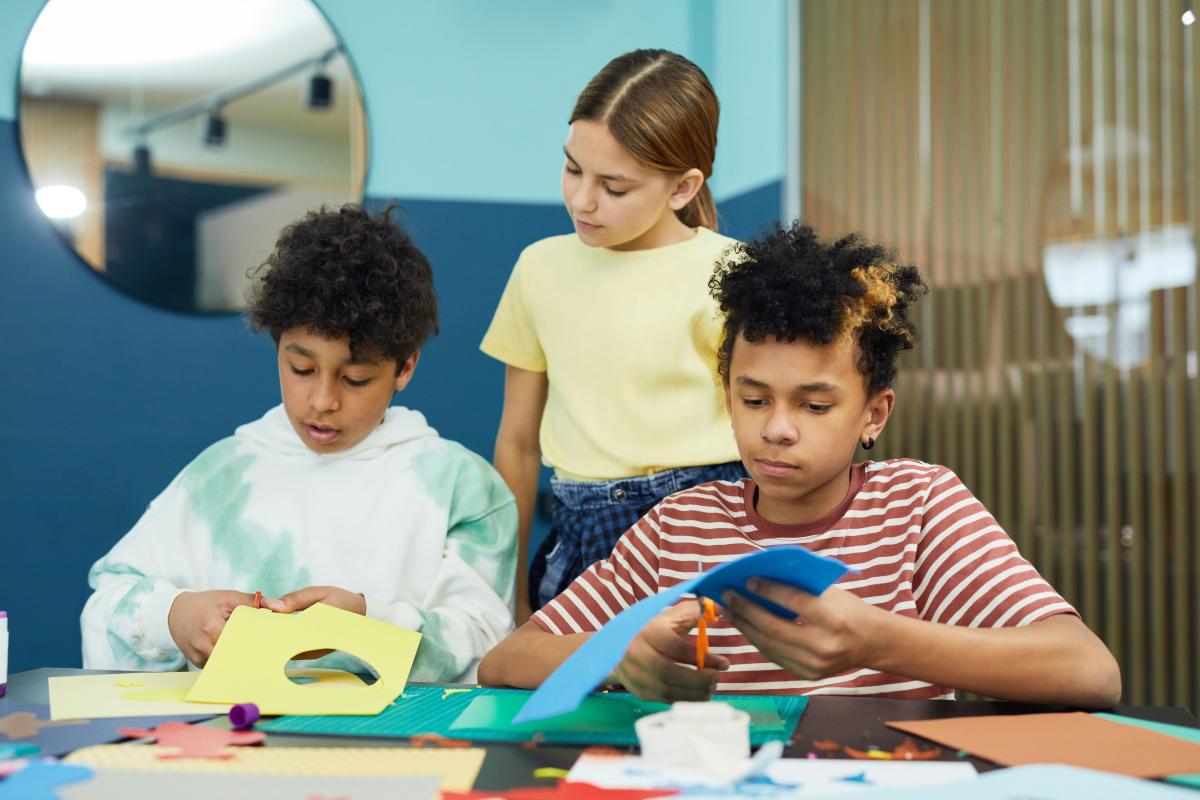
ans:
(330, 661)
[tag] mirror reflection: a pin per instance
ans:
(168, 142)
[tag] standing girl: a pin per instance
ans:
(609, 334)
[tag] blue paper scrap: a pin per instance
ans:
(575, 678)
(1041, 781)
(41, 780)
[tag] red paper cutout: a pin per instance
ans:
(436, 740)
(563, 791)
(905, 751)
(194, 741)
(908, 751)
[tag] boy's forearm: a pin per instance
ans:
(1056, 660)
(527, 657)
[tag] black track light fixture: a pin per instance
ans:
(214, 129)
(320, 91)
(143, 167)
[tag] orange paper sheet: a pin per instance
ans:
(1074, 738)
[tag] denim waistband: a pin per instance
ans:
(660, 484)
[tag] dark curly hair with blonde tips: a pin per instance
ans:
(790, 285)
(348, 272)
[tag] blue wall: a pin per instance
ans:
(108, 398)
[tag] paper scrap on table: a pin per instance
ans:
(42, 780)
(1074, 738)
(785, 778)
(30, 724)
(181, 740)
(588, 666)
(152, 694)
(124, 784)
(247, 664)
(1040, 781)
(457, 767)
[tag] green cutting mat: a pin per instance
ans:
(485, 715)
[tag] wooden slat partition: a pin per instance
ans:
(972, 137)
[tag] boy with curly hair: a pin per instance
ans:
(334, 496)
(939, 598)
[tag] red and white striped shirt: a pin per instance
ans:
(922, 544)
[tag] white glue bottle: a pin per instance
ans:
(3, 652)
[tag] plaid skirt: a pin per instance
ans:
(587, 518)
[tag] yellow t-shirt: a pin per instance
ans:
(628, 341)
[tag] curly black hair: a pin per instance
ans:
(347, 272)
(789, 285)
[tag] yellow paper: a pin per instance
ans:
(146, 694)
(458, 767)
(247, 664)
(99, 696)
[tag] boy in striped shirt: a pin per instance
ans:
(940, 598)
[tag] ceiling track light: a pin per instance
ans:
(214, 129)
(320, 91)
(1188, 16)
(143, 167)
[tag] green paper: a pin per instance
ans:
(1191, 779)
(607, 717)
(598, 712)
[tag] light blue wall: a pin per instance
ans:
(106, 398)
(496, 82)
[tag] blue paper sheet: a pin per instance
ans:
(575, 678)
(62, 737)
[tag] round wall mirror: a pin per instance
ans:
(168, 141)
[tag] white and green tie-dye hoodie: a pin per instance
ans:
(421, 526)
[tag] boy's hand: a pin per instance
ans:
(329, 595)
(653, 667)
(831, 634)
(196, 619)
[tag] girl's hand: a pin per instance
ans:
(196, 619)
(831, 634)
(329, 595)
(653, 667)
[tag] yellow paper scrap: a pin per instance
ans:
(100, 696)
(247, 664)
(152, 694)
(458, 767)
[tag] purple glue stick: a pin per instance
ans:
(243, 716)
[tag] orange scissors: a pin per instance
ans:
(708, 614)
